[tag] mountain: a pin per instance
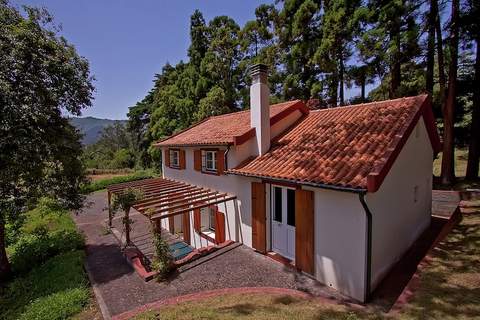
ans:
(92, 127)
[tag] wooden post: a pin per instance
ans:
(158, 226)
(109, 196)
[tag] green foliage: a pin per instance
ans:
(57, 289)
(102, 184)
(213, 104)
(48, 230)
(126, 199)
(163, 260)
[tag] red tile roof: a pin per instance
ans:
(343, 146)
(232, 128)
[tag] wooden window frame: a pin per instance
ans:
(172, 165)
(203, 153)
(202, 233)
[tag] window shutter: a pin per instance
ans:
(259, 218)
(304, 230)
(171, 224)
(181, 161)
(166, 157)
(186, 227)
(197, 160)
(197, 222)
(220, 161)
(219, 227)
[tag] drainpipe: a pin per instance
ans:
(368, 247)
(225, 157)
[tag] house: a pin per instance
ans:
(342, 192)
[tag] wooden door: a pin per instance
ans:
(304, 233)
(259, 219)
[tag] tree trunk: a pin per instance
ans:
(341, 71)
(448, 160)
(362, 88)
(474, 147)
(395, 64)
(430, 48)
(5, 271)
(441, 62)
(127, 226)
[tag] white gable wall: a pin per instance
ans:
(398, 220)
(340, 230)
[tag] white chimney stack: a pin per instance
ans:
(260, 106)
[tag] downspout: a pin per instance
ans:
(368, 247)
(225, 158)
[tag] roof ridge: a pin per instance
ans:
(367, 104)
(248, 110)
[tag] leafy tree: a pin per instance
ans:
(213, 104)
(41, 77)
(124, 201)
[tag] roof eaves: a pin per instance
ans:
(376, 177)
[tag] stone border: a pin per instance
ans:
(210, 294)
(98, 295)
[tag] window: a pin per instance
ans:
(291, 207)
(211, 220)
(277, 210)
(175, 158)
(209, 161)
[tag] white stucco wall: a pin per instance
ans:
(340, 241)
(398, 219)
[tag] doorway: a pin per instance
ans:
(283, 221)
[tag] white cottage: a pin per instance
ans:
(342, 192)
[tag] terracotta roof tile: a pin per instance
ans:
(220, 130)
(341, 146)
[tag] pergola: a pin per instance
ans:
(164, 198)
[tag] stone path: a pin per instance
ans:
(121, 289)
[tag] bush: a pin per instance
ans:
(57, 289)
(48, 230)
(163, 260)
(102, 184)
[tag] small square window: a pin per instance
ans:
(209, 161)
(175, 158)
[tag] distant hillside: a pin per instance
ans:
(92, 127)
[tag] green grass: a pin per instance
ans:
(449, 289)
(57, 289)
(102, 184)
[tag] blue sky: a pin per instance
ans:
(127, 42)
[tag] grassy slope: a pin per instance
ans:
(47, 255)
(103, 183)
(449, 289)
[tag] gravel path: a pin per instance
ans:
(121, 289)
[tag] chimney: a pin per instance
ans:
(260, 106)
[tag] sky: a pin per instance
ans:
(127, 42)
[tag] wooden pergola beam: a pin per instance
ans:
(163, 194)
(181, 211)
(189, 203)
(169, 197)
(144, 186)
(186, 200)
(163, 191)
(138, 183)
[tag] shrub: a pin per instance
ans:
(163, 260)
(48, 230)
(55, 290)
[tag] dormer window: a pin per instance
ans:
(209, 160)
(175, 158)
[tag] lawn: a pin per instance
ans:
(46, 253)
(449, 289)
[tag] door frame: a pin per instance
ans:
(284, 216)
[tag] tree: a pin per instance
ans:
(392, 40)
(472, 26)
(213, 104)
(448, 165)
(124, 201)
(41, 77)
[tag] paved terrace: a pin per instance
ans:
(120, 289)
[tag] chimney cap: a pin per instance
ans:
(258, 68)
